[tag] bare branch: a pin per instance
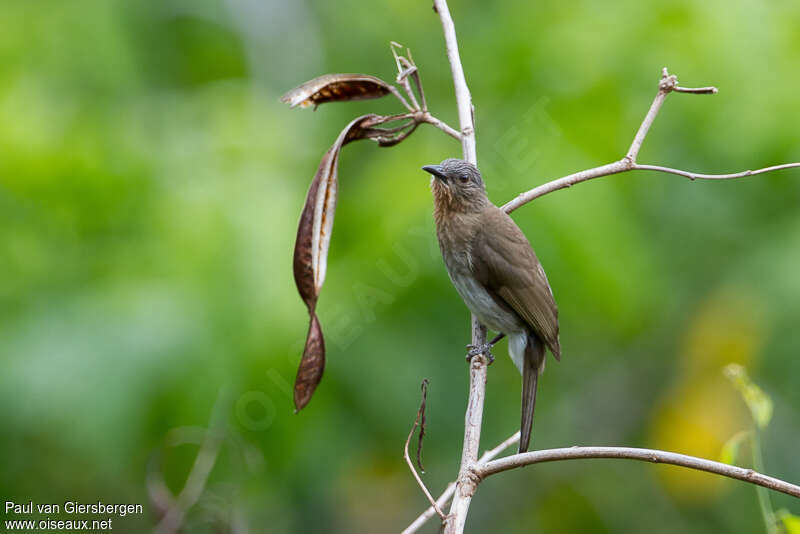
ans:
(417, 81)
(663, 90)
(492, 453)
(564, 182)
(451, 488)
(697, 90)
(404, 69)
(195, 485)
(421, 415)
(465, 484)
(667, 84)
(416, 116)
(644, 455)
(430, 119)
(463, 96)
(431, 511)
(399, 97)
(699, 176)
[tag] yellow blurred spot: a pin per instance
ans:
(701, 412)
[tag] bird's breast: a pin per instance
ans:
(481, 303)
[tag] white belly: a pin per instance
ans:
(481, 303)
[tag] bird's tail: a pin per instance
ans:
(532, 365)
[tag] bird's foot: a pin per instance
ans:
(474, 350)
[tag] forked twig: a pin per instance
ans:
(451, 488)
(421, 418)
(667, 84)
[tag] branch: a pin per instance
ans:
(403, 70)
(463, 97)
(645, 455)
(465, 484)
(451, 488)
(667, 84)
(421, 415)
(431, 511)
(176, 508)
(430, 119)
(700, 176)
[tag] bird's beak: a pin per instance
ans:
(435, 170)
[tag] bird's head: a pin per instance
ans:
(457, 185)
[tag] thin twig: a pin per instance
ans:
(195, 484)
(463, 96)
(417, 81)
(492, 453)
(410, 69)
(667, 84)
(399, 96)
(404, 68)
(700, 176)
(393, 140)
(419, 117)
(697, 90)
(645, 455)
(430, 119)
(451, 488)
(431, 511)
(422, 425)
(421, 415)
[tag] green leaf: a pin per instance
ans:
(759, 403)
(791, 523)
(730, 450)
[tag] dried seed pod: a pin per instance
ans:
(309, 373)
(337, 88)
(304, 243)
(311, 247)
(314, 231)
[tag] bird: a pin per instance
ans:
(497, 274)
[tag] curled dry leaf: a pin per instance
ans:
(313, 241)
(337, 88)
(311, 255)
(303, 263)
(309, 373)
(316, 220)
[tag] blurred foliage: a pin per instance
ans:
(758, 402)
(150, 184)
(790, 522)
(760, 406)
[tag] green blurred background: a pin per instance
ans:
(150, 183)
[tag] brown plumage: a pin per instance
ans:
(497, 274)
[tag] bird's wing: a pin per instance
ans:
(504, 262)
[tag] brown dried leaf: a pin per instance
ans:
(311, 247)
(314, 232)
(311, 366)
(303, 263)
(316, 220)
(337, 88)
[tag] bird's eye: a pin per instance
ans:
(464, 178)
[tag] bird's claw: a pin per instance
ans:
(474, 350)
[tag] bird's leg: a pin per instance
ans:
(486, 348)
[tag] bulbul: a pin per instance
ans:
(497, 274)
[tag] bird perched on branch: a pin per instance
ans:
(497, 274)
